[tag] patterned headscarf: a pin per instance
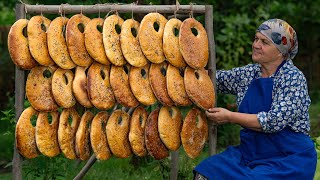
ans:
(282, 35)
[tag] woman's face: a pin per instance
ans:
(264, 51)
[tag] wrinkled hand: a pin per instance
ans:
(218, 115)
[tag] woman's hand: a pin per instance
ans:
(219, 115)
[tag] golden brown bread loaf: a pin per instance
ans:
(67, 132)
(75, 40)
(83, 136)
(194, 48)
(18, 45)
(79, 87)
(175, 86)
(25, 134)
(140, 86)
(94, 42)
(154, 145)
(57, 44)
(119, 80)
(158, 82)
(199, 87)
(171, 43)
(39, 89)
(99, 89)
(62, 88)
(117, 134)
(194, 132)
(169, 126)
(150, 38)
(47, 134)
(98, 136)
(37, 37)
(130, 44)
(111, 40)
(137, 129)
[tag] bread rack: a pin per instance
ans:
(20, 76)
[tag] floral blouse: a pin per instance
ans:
(290, 99)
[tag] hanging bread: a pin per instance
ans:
(154, 145)
(75, 40)
(94, 42)
(62, 88)
(130, 43)
(169, 126)
(57, 44)
(39, 89)
(150, 38)
(67, 132)
(199, 87)
(137, 131)
(18, 45)
(82, 146)
(37, 37)
(47, 134)
(79, 87)
(194, 47)
(119, 80)
(158, 82)
(99, 89)
(117, 134)
(25, 134)
(194, 132)
(176, 87)
(171, 43)
(111, 39)
(140, 86)
(98, 136)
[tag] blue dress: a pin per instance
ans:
(282, 155)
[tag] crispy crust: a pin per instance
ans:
(111, 40)
(137, 131)
(119, 81)
(194, 134)
(194, 49)
(169, 126)
(176, 87)
(79, 87)
(25, 134)
(47, 134)
(39, 89)
(94, 42)
(75, 40)
(158, 82)
(171, 43)
(57, 45)
(99, 89)
(150, 39)
(117, 134)
(199, 87)
(67, 133)
(83, 136)
(130, 45)
(62, 88)
(98, 136)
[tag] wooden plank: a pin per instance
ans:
(212, 74)
(86, 168)
(174, 168)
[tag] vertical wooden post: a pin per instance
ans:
(174, 166)
(212, 74)
(19, 99)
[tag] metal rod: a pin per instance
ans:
(174, 165)
(86, 168)
(212, 74)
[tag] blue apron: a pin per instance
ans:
(275, 156)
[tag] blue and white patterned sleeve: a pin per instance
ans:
(289, 106)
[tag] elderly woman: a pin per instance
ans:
(272, 96)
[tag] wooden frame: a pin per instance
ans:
(20, 77)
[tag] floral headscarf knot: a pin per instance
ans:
(282, 35)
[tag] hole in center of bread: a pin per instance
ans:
(197, 74)
(163, 71)
(198, 121)
(117, 28)
(33, 120)
(64, 31)
(176, 32)
(65, 79)
(126, 70)
(46, 73)
(141, 120)
(194, 31)
(102, 74)
(171, 112)
(99, 28)
(181, 72)
(70, 120)
(49, 117)
(43, 27)
(81, 27)
(156, 26)
(143, 73)
(119, 119)
(134, 32)
(24, 32)
(103, 125)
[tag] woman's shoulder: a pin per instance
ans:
(291, 71)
